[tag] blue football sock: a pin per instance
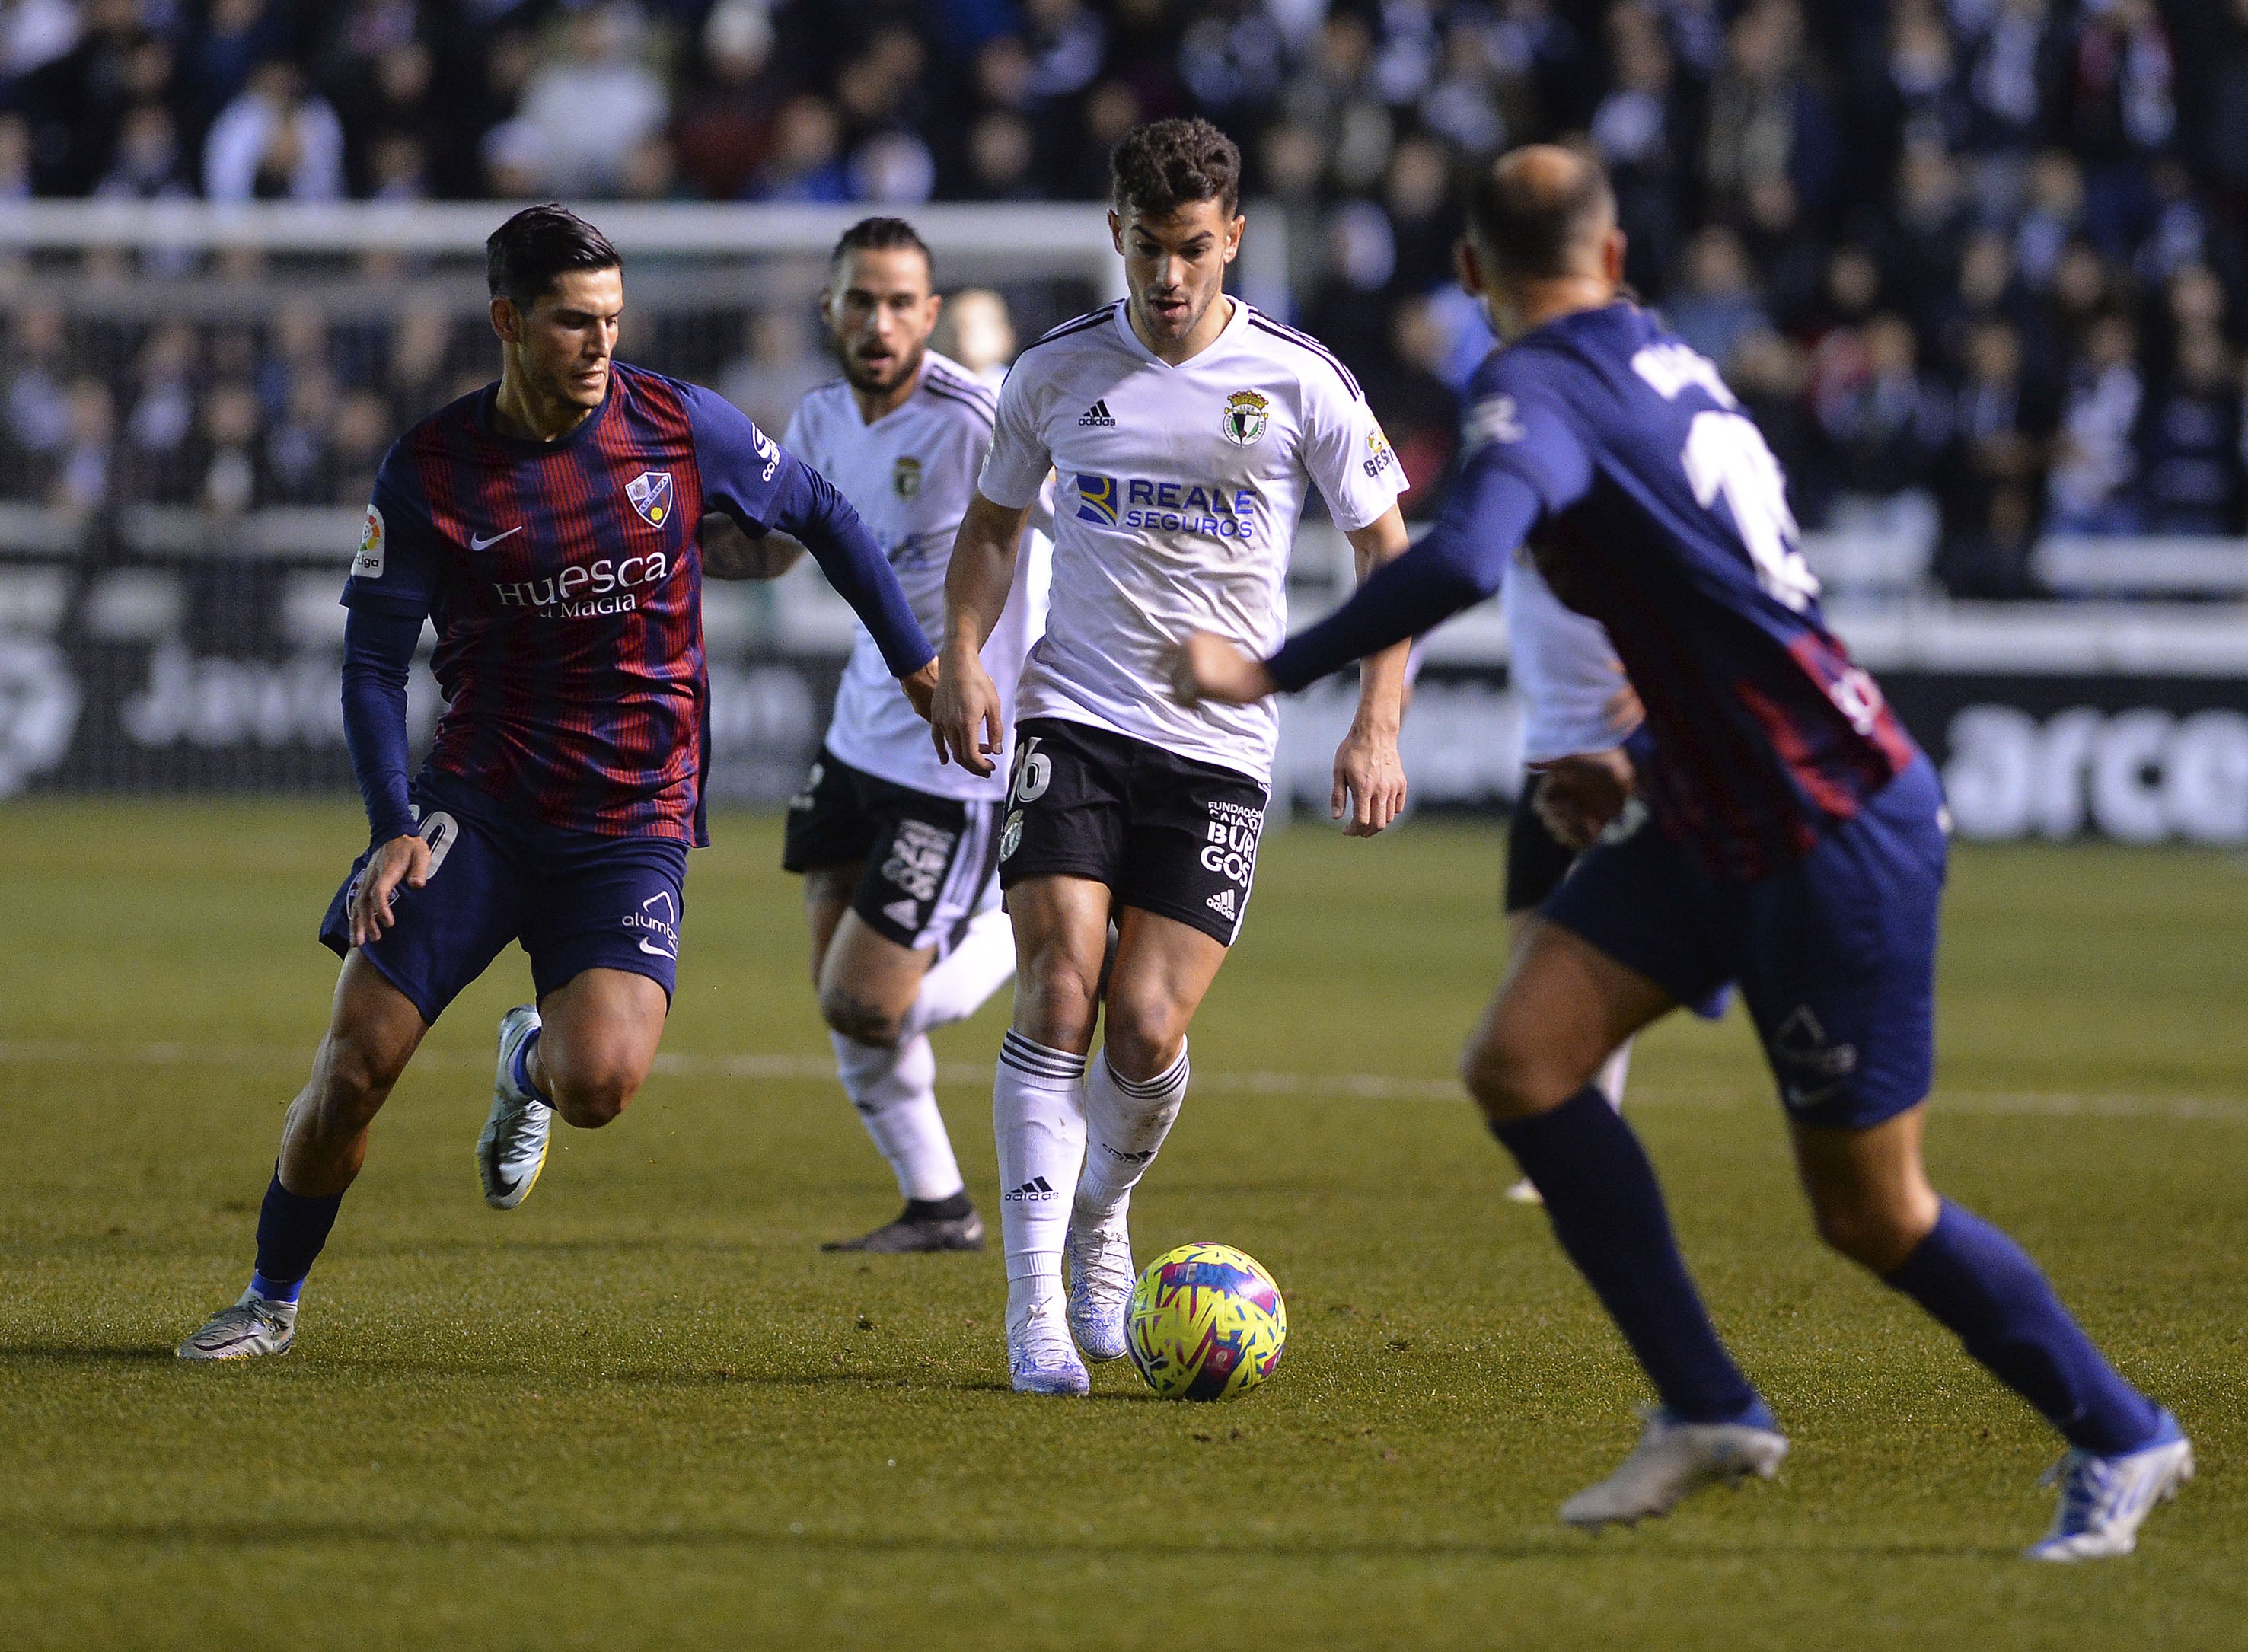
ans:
(291, 1230)
(521, 1068)
(1607, 1211)
(1981, 1287)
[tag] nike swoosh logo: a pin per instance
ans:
(658, 952)
(477, 544)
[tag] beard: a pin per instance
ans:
(883, 377)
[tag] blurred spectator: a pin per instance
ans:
(158, 428)
(229, 432)
(74, 102)
(589, 107)
(1417, 409)
(1764, 117)
(146, 164)
(2089, 489)
(38, 406)
(973, 330)
(2190, 441)
(81, 481)
(805, 162)
(362, 435)
(1884, 418)
(1636, 133)
(2002, 420)
(781, 364)
(726, 120)
(278, 139)
(15, 158)
(1715, 304)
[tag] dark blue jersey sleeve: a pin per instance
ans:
(378, 654)
(749, 477)
(1524, 459)
(398, 564)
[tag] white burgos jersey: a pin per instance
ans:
(1178, 490)
(1564, 668)
(910, 476)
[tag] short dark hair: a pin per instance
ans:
(1525, 226)
(1164, 164)
(525, 255)
(881, 235)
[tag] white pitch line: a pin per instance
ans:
(1352, 1086)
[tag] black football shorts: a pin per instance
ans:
(928, 859)
(1167, 834)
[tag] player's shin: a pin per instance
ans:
(895, 1093)
(292, 1231)
(1125, 1122)
(1983, 1286)
(958, 984)
(1037, 1116)
(1607, 1211)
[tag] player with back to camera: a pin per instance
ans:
(1186, 429)
(1794, 844)
(898, 850)
(547, 524)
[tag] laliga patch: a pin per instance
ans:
(650, 494)
(1379, 454)
(1246, 415)
(367, 564)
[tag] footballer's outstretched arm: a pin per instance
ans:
(1462, 561)
(1369, 778)
(965, 718)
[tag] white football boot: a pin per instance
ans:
(2105, 1499)
(512, 1150)
(1671, 1461)
(1099, 1255)
(253, 1326)
(1039, 1357)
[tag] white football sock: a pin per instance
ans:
(1126, 1121)
(1609, 1079)
(895, 1093)
(957, 984)
(1037, 1115)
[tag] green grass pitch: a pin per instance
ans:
(644, 1411)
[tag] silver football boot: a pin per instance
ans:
(253, 1326)
(512, 1150)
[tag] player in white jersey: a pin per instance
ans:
(1186, 430)
(897, 848)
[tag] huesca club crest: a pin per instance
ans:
(1246, 415)
(650, 493)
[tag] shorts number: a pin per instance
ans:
(1033, 773)
(1726, 454)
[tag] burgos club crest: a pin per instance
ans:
(1246, 415)
(650, 493)
(906, 478)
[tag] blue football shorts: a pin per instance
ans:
(577, 901)
(1835, 955)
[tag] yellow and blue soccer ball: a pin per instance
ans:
(1206, 1323)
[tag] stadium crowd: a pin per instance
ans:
(1976, 265)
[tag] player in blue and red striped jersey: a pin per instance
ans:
(1792, 840)
(548, 526)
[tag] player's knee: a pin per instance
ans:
(1055, 1000)
(1144, 1028)
(1506, 1080)
(859, 1017)
(356, 1076)
(1870, 1234)
(591, 1087)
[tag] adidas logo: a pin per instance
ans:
(903, 914)
(1098, 416)
(1037, 1189)
(1223, 903)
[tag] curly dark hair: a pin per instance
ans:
(1165, 165)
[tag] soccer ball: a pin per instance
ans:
(1206, 1323)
